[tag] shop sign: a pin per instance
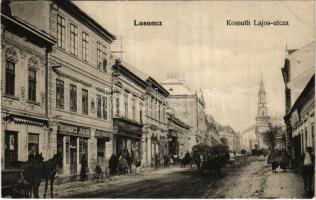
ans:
(103, 134)
(73, 130)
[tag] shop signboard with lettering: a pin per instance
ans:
(73, 130)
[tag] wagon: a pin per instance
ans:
(13, 183)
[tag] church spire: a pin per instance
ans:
(261, 90)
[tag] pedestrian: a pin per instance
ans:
(274, 161)
(129, 160)
(84, 168)
(123, 165)
(284, 161)
(308, 162)
(113, 164)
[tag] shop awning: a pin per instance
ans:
(26, 120)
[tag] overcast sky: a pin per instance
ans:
(219, 59)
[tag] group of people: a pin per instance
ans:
(307, 165)
(122, 163)
(279, 158)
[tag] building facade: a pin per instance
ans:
(25, 58)
(178, 136)
(297, 70)
(128, 101)
(189, 107)
(155, 130)
(79, 82)
(298, 75)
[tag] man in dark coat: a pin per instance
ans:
(308, 163)
(113, 164)
(84, 168)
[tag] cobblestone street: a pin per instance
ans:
(251, 179)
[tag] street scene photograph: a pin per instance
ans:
(158, 99)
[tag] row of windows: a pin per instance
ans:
(101, 101)
(10, 81)
(61, 42)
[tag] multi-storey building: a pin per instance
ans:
(298, 70)
(25, 61)
(229, 138)
(79, 82)
(178, 136)
(188, 107)
(155, 131)
(129, 87)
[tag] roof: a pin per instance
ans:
(90, 21)
(28, 27)
(302, 96)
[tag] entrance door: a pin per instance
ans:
(73, 155)
(101, 152)
(11, 148)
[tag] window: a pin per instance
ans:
(67, 146)
(126, 105)
(99, 55)
(117, 106)
(61, 36)
(32, 84)
(105, 61)
(85, 46)
(73, 98)
(134, 109)
(104, 103)
(84, 101)
(313, 137)
(11, 148)
(99, 112)
(159, 113)
(59, 93)
(33, 140)
(10, 78)
(73, 40)
(306, 144)
(83, 148)
(163, 115)
(100, 151)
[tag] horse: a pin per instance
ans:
(186, 161)
(39, 169)
(49, 170)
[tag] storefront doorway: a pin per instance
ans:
(11, 148)
(73, 155)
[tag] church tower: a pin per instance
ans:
(262, 127)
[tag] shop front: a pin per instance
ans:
(173, 143)
(22, 136)
(73, 142)
(127, 136)
(103, 138)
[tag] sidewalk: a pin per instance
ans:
(284, 185)
(75, 187)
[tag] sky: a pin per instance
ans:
(225, 62)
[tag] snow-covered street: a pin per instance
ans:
(251, 179)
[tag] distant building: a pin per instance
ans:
(178, 136)
(229, 137)
(262, 125)
(189, 107)
(248, 138)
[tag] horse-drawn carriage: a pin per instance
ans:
(210, 158)
(24, 178)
